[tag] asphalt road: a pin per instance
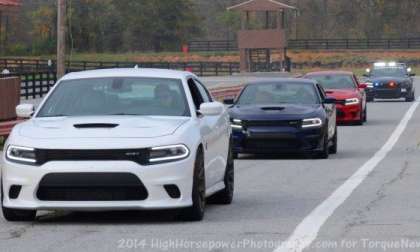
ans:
(274, 195)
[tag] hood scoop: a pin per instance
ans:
(273, 108)
(96, 126)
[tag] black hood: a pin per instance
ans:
(275, 112)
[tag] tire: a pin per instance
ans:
(11, 214)
(370, 99)
(325, 152)
(334, 147)
(225, 196)
(235, 155)
(365, 115)
(411, 98)
(196, 211)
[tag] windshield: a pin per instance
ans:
(117, 96)
(279, 93)
(334, 81)
(389, 71)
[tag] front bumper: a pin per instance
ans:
(348, 113)
(154, 178)
(387, 93)
(265, 140)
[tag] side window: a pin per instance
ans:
(321, 92)
(356, 81)
(203, 91)
(195, 93)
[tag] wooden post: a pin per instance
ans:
(61, 38)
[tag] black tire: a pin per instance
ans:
(410, 98)
(365, 115)
(325, 152)
(196, 211)
(235, 155)
(370, 99)
(11, 214)
(334, 147)
(225, 196)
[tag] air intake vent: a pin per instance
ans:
(95, 125)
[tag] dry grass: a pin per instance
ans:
(349, 57)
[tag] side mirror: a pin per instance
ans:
(229, 101)
(362, 86)
(211, 108)
(25, 110)
(330, 100)
(412, 74)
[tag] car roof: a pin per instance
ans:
(282, 80)
(128, 72)
(330, 73)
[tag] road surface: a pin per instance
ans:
(274, 202)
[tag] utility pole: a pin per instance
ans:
(61, 38)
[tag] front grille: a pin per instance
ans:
(91, 187)
(137, 155)
(272, 144)
(273, 123)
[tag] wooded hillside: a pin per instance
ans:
(156, 25)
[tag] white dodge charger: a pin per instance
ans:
(119, 139)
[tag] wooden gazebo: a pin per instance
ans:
(257, 43)
(8, 8)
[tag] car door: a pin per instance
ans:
(207, 127)
(331, 111)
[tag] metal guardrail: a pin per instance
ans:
(313, 44)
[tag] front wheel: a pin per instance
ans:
(410, 98)
(196, 211)
(325, 152)
(225, 196)
(334, 146)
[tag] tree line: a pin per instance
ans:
(164, 25)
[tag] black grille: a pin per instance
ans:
(272, 144)
(273, 123)
(137, 155)
(91, 187)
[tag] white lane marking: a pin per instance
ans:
(307, 231)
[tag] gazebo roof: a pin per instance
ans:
(261, 5)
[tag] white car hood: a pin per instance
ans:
(127, 127)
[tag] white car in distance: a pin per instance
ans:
(119, 139)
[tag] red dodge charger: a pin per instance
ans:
(344, 87)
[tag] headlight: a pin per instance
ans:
(21, 154)
(369, 84)
(352, 101)
(311, 123)
(236, 124)
(168, 153)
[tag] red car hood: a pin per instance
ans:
(341, 94)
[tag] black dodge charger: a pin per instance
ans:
(284, 116)
(390, 81)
